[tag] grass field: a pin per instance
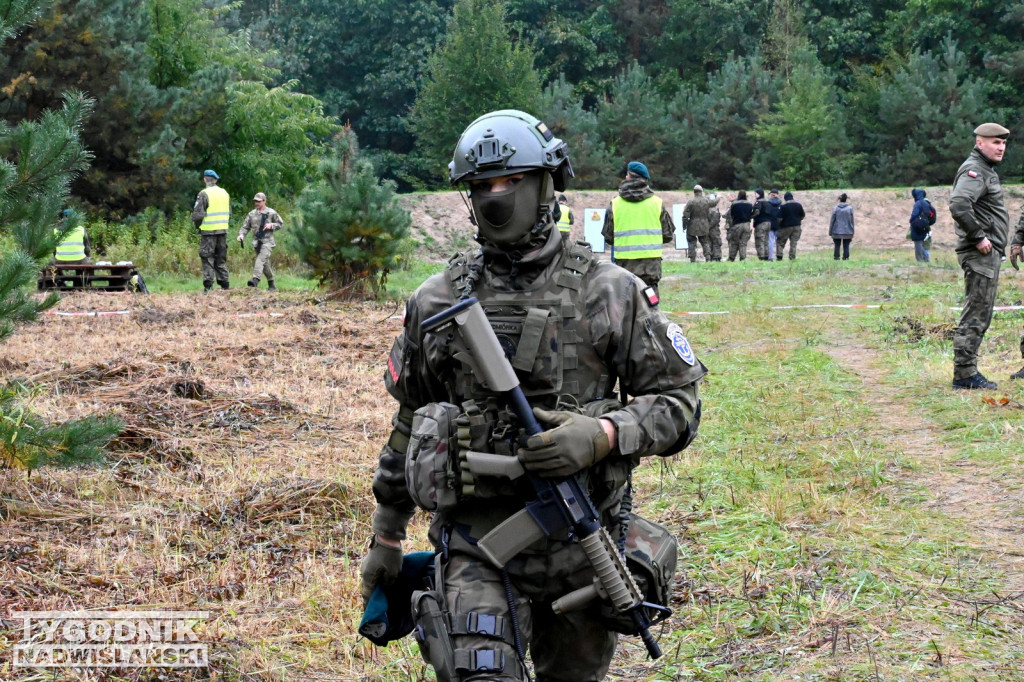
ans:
(844, 514)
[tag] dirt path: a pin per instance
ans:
(959, 488)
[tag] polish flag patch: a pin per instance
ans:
(972, 174)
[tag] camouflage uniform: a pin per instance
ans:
(1018, 240)
(262, 238)
(738, 232)
(597, 327)
(715, 231)
(695, 220)
(976, 203)
(647, 269)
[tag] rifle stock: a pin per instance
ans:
(561, 503)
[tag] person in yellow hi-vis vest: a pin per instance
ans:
(75, 248)
(566, 218)
(636, 225)
(212, 216)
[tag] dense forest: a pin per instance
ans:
(729, 93)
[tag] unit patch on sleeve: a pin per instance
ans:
(680, 344)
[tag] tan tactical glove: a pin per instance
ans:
(1016, 252)
(381, 565)
(576, 442)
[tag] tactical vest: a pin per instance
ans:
(73, 246)
(637, 226)
(541, 332)
(218, 210)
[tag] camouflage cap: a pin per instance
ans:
(991, 130)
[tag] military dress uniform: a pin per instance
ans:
(976, 203)
(574, 326)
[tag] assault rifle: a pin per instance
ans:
(561, 504)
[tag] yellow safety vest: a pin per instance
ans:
(218, 210)
(563, 221)
(73, 246)
(637, 228)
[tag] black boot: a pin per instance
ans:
(976, 381)
(252, 282)
(1018, 374)
(270, 285)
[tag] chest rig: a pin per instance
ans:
(542, 333)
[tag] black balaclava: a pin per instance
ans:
(513, 217)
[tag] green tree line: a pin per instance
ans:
(728, 93)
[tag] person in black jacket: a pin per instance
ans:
(738, 234)
(791, 215)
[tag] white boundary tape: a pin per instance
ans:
(98, 313)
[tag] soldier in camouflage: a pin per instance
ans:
(714, 227)
(982, 223)
(574, 327)
(1016, 254)
(695, 220)
(262, 222)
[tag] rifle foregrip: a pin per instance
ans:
(611, 571)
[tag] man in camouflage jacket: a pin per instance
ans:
(573, 327)
(982, 222)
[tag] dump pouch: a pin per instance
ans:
(651, 558)
(431, 474)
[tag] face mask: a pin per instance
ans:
(506, 218)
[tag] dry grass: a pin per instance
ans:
(240, 484)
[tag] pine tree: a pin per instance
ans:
(563, 113)
(480, 68)
(38, 160)
(349, 228)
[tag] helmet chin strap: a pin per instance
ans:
(545, 210)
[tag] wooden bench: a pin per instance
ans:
(75, 277)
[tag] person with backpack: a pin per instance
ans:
(922, 217)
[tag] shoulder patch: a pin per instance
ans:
(651, 296)
(973, 174)
(680, 344)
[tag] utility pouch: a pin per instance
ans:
(432, 633)
(431, 474)
(651, 558)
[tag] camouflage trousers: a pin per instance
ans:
(262, 266)
(573, 647)
(213, 251)
(647, 269)
(705, 246)
(761, 231)
(787, 234)
(981, 278)
(738, 236)
(715, 237)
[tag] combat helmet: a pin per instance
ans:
(509, 141)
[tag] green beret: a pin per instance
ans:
(991, 130)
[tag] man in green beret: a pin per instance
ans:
(982, 223)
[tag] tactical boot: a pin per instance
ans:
(1018, 374)
(976, 381)
(270, 285)
(252, 282)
